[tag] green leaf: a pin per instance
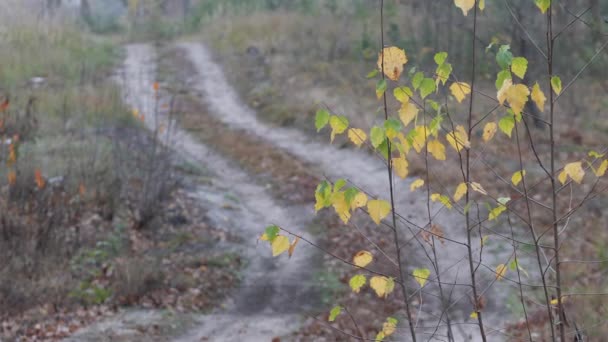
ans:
(322, 196)
(321, 119)
(506, 124)
(339, 184)
(402, 94)
(335, 311)
(357, 282)
(271, 232)
(440, 57)
(349, 195)
(372, 73)
(435, 124)
(543, 5)
(504, 57)
(503, 200)
(427, 87)
(417, 79)
(392, 127)
(383, 149)
(380, 88)
(519, 66)
(556, 84)
(377, 136)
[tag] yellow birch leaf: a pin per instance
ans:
(517, 177)
(363, 258)
(421, 275)
(293, 245)
(473, 315)
(538, 97)
(388, 328)
(460, 90)
(482, 5)
(419, 139)
(357, 136)
(489, 130)
(464, 5)
(517, 95)
(408, 112)
(400, 165)
(436, 149)
(394, 59)
(341, 206)
(458, 139)
(502, 92)
(477, 187)
(416, 184)
(601, 170)
(501, 270)
(562, 177)
(382, 285)
(359, 201)
(280, 244)
(461, 190)
(378, 209)
(338, 125)
(575, 171)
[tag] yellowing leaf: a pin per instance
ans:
(489, 130)
(464, 5)
(601, 170)
(506, 124)
(363, 258)
(408, 112)
(501, 270)
(341, 206)
(574, 170)
(357, 136)
(495, 213)
(473, 315)
(502, 92)
(436, 149)
(519, 66)
(554, 301)
(335, 311)
(419, 139)
(279, 245)
(421, 275)
(543, 5)
(357, 282)
(378, 209)
(458, 139)
(394, 59)
(388, 328)
(460, 90)
(477, 187)
(538, 97)
(382, 285)
(293, 245)
(517, 177)
(359, 201)
(400, 165)
(443, 199)
(482, 5)
(556, 84)
(461, 190)
(517, 95)
(416, 184)
(338, 125)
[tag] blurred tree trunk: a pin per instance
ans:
(85, 9)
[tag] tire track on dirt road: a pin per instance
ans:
(257, 311)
